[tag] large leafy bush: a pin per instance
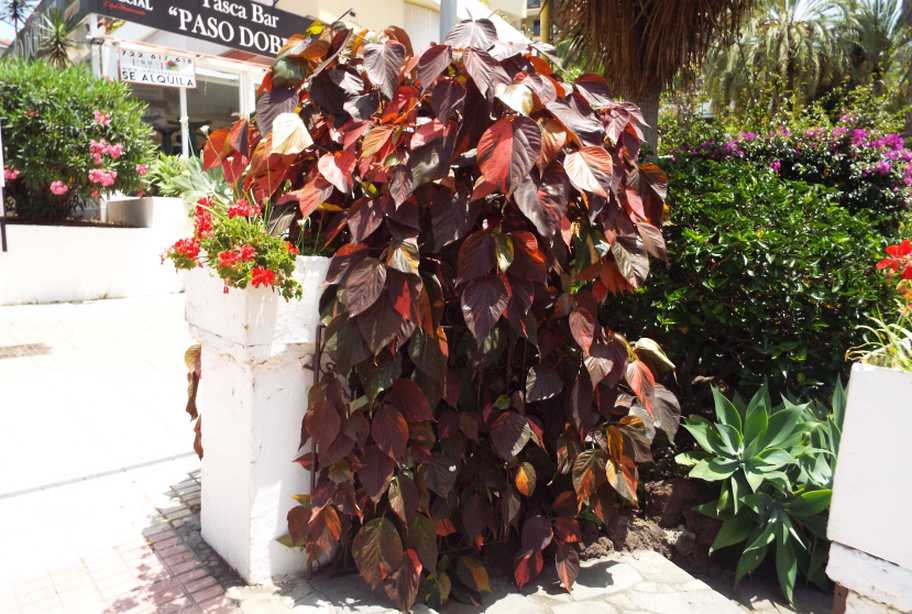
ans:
(480, 209)
(775, 466)
(67, 137)
(768, 277)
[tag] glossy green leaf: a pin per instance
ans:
(809, 503)
(734, 530)
(786, 568)
(726, 412)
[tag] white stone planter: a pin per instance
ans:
(256, 350)
(871, 509)
(149, 211)
(50, 264)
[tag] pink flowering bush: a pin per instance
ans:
(872, 170)
(232, 239)
(68, 138)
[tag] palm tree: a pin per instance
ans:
(642, 45)
(15, 12)
(790, 48)
(877, 40)
(54, 41)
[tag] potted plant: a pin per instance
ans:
(870, 557)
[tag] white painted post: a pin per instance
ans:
(448, 16)
(184, 124)
(871, 550)
(256, 350)
(94, 34)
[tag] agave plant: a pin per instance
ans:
(776, 468)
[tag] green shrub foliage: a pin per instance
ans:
(768, 277)
(67, 137)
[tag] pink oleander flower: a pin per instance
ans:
(59, 188)
(115, 151)
(103, 177)
(102, 119)
(10, 173)
(142, 169)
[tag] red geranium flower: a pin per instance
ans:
(294, 251)
(228, 258)
(247, 252)
(261, 276)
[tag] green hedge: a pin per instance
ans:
(768, 277)
(48, 119)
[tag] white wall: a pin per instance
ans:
(50, 264)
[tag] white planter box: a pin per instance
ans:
(872, 490)
(50, 264)
(148, 212)
(256, 350)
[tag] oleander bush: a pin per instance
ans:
(67, 138)
(769, 277)
(478, 209)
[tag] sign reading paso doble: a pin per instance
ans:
(241, 24)
(152, 68)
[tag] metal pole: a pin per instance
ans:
(448, 16)
(94, 48)
(544, 22)
(317, 359)
(2, 210)
(184, 124)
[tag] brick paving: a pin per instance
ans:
(163, 567)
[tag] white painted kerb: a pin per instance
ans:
(256, 350)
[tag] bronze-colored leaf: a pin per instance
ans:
(510, 433)
(377, 550)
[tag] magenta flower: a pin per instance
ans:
(776, 165)
(859, 136)
(883, 167)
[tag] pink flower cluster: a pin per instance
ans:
(102, 119)
(142, 169)
(10, 173)
(98, 149)
(59, 188)
(103, 177)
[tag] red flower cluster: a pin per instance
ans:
(294, 251)
(230, 257)
(186, 248)
(202, 222)
(898, 260)
(243, 208)
(261, 276)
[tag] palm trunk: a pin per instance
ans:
(649, 105)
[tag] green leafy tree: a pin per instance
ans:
(643, 45)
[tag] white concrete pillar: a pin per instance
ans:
(871, 553)
(252, 399)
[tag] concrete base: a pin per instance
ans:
(872, 584)
(252, 399)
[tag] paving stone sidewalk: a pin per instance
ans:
(100, 494)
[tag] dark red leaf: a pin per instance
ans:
(485, 71)
(447, 99)
(566, 559)
(337, 169)
(567, 529)
(377, 550)
(586, 128)
(527, 566)
(590, 170)
(403, 497)
(479, 33)
(423, 538)
(402, 585)
(408, 398)
(507, 151)
(383, 63)
(642, 382)
(536, 533)
(542, 382)
(364, 217)
(476, 256)
(390, 431)
(272, 104)
(323, 423)
(380, 325)
(433, 62)
(376, 471)
(483, 302)
(510, 433)
(588, 473)
(363, 285)
(606, 362)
